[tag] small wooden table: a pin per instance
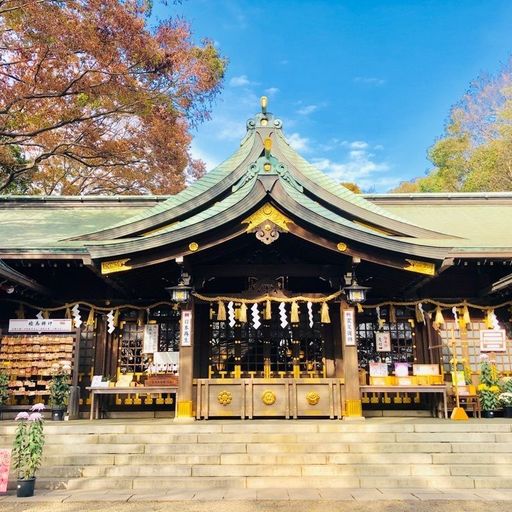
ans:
(138, 390)
(410, 389)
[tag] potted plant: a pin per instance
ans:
(4, 384)
(27, 451)
(506, 402)
(489, 389)
(59, 391)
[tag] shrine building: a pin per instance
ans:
(264, 289)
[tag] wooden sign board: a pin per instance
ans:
(186, 328)
(150, 339)
(493, 340)
(349, 327)
(41, 325)
(383, 341)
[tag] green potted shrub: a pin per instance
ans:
(506, 397)
(4, 385)
(27, 451)
(59, 392)
(489, 389)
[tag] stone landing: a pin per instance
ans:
(385, 453)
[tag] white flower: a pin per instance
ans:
(22, 416)
(37, 407)
(35, 416)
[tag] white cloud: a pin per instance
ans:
(369, 80)
(306, 110)
(239, 81)
(360, 167)
(230, 130)
(198, 154)
(358, 144)
(271, 91)
(299, 143)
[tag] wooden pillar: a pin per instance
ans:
(184, 407)
(353, 406)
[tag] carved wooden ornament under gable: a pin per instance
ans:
(267, 222)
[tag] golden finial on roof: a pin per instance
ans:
(263, 103)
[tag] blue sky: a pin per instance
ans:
(363, 87)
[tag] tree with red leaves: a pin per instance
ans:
(93, 101)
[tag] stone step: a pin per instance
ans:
(86, 449)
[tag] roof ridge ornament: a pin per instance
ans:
(265, 118)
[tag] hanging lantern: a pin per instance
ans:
(181, 293)
(356, 293)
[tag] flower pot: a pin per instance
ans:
(489, 414)
(58, 414)
(507, 411)
(25, 487)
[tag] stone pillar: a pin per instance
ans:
(353, 407)
(184, 406)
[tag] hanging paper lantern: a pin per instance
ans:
(439, 318)
(243, 313)
(231, 314)
(294, 314)
(310, 314)
(324, 314)
(221, 312)
(282, 314)
(256, 323)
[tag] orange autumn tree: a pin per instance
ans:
(93, 101)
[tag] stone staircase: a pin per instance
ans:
(383, 453)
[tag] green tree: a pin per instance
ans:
(475, 153)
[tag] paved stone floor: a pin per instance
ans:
(248, 500)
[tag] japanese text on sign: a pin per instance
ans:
(349, 327)
(41, 325)
(493, 340)
(186, 328)
(383, 341)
